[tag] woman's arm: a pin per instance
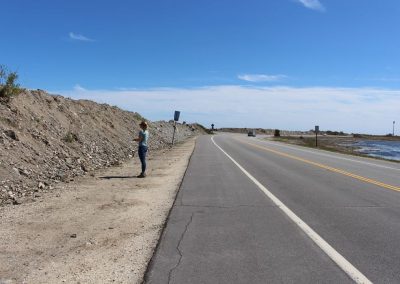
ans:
(139, 139)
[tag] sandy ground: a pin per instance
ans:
(100, 229)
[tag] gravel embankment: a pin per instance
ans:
(47, 140)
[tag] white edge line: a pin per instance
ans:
(346, 266)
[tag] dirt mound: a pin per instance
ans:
(47, 139)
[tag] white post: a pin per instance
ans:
(393, 126)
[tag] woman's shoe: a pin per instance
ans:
(142, 175)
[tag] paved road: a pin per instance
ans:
(223, 227)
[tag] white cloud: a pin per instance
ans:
(312, 4)
(261, 77)
(79, 37)
(79, 88)
(357, 110)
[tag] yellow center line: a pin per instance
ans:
(340, 171)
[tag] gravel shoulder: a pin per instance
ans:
(100, 229)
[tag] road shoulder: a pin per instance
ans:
(101, 229)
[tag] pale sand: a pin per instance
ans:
(117, 222)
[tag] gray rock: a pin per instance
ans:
(16, 171)
(11, 134)
(24, 172)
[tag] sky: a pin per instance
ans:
(287, 64)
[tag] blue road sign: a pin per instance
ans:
(176, 115)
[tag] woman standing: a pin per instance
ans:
(142, 150)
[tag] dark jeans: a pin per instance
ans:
(142, 156)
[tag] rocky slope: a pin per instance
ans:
(47, 139)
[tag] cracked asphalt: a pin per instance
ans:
(223, 229)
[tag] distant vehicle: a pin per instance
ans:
(252, 133)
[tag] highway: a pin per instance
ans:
(256, 211)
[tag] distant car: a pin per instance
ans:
(252, 133)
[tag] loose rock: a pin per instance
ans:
(59, 139)
(11, 134)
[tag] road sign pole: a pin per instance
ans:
(176, 118)
(316, 135)
(173, 135)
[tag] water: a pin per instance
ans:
(382, 149)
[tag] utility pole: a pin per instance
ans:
(393, 126)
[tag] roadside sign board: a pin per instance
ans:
(316, 128)
(176, 118)
(176, 115)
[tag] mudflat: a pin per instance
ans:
(99, 229)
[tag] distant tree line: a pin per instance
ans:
(328, 132)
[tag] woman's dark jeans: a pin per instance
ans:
(142, 156)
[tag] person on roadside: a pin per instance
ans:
(142, 150)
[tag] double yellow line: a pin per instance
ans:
(322, 166)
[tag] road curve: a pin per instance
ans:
(223, 227)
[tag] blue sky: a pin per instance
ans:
(219, 50)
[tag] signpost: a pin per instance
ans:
(176, 115)
(316, 135)
(212, 127)
(176, 118)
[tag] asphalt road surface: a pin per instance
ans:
(256, 211)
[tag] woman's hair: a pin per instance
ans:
(143, 124)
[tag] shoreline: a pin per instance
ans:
(339, 144)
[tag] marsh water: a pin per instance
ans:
(382, 149)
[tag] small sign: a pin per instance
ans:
(176, 115)
(316, 128)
